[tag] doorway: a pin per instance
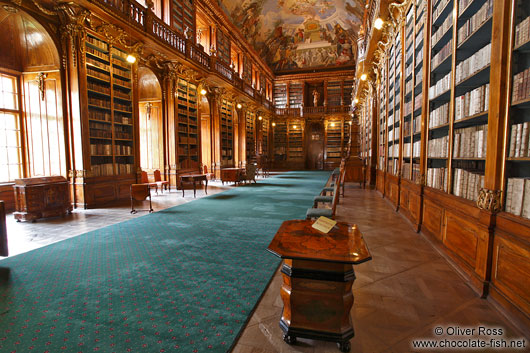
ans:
(315, 145)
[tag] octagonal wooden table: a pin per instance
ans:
(318, 276)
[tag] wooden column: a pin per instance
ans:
(215, 99)
(170, 125)
(490, 199)
(242, 136)
(374, 145)
(73, 57)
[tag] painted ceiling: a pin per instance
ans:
(299, 34)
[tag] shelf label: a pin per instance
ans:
(324, 224)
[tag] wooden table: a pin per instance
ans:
(231, 174)
(318, 276)
(194, 178)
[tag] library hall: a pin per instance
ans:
(264, 176)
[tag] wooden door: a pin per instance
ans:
(315, 145)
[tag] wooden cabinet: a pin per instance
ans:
(41, 197)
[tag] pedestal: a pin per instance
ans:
(318, 276)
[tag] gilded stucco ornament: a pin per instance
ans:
(490, 200)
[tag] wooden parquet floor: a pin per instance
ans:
(403, 294)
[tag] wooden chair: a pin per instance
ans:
(250, 173)
(326, 212)
(145, 180)
(159, 182)
(210, 176)
(139, 192)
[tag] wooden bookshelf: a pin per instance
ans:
(464, 136)
(334, 93)
(265, 127)
(296, 94)
(188, 128)
(110, 113)
(295, 143)
(227, 133)
(279, 132)
(333, 140)
(183, 17)
(250, 128)
(223, 47)
(280, 95)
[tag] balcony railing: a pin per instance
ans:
(306, 111)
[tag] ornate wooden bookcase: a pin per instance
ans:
(227, 133)
(110, 117)
(250, 128)
(189, 137)
(461, 109)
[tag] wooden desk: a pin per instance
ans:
(194, 178)
(231, 174)
(317, 280)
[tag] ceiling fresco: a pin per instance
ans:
(299, 34)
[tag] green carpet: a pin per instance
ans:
(184, 279)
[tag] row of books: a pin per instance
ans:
(441, 86)
(439, 116)
(438, 8)
(92, 72)
(415, 171)
(417, 124)
(418, 101)
(467, 184)
(393, 165)
(438, 148)
(473, 102)
(123, 107)
(407, 110)
(471, 25)
(99, 115)
(102, 169)
(473, 64)
(419, 37)
(125, 168)
(121, 72)
(437, 178)
(98, 43)
(99, 102)
(521, 86)
(393, 151)
(471, 142)
(97, 63)
(123, 150)
(120, 119)
(444, 27)
(442, 54)
(419, 57)
(98, 87)
(106, 149)
(97, 53)
(100, 149)
(518, 197)
(522, 32)
(519, 140)
(416, 149)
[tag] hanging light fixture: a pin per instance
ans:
(273, 124)
(378, 23)
(131, 59)
(364, 77)
(239, 106)
(203, 92)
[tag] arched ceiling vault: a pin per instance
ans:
(293, 35)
